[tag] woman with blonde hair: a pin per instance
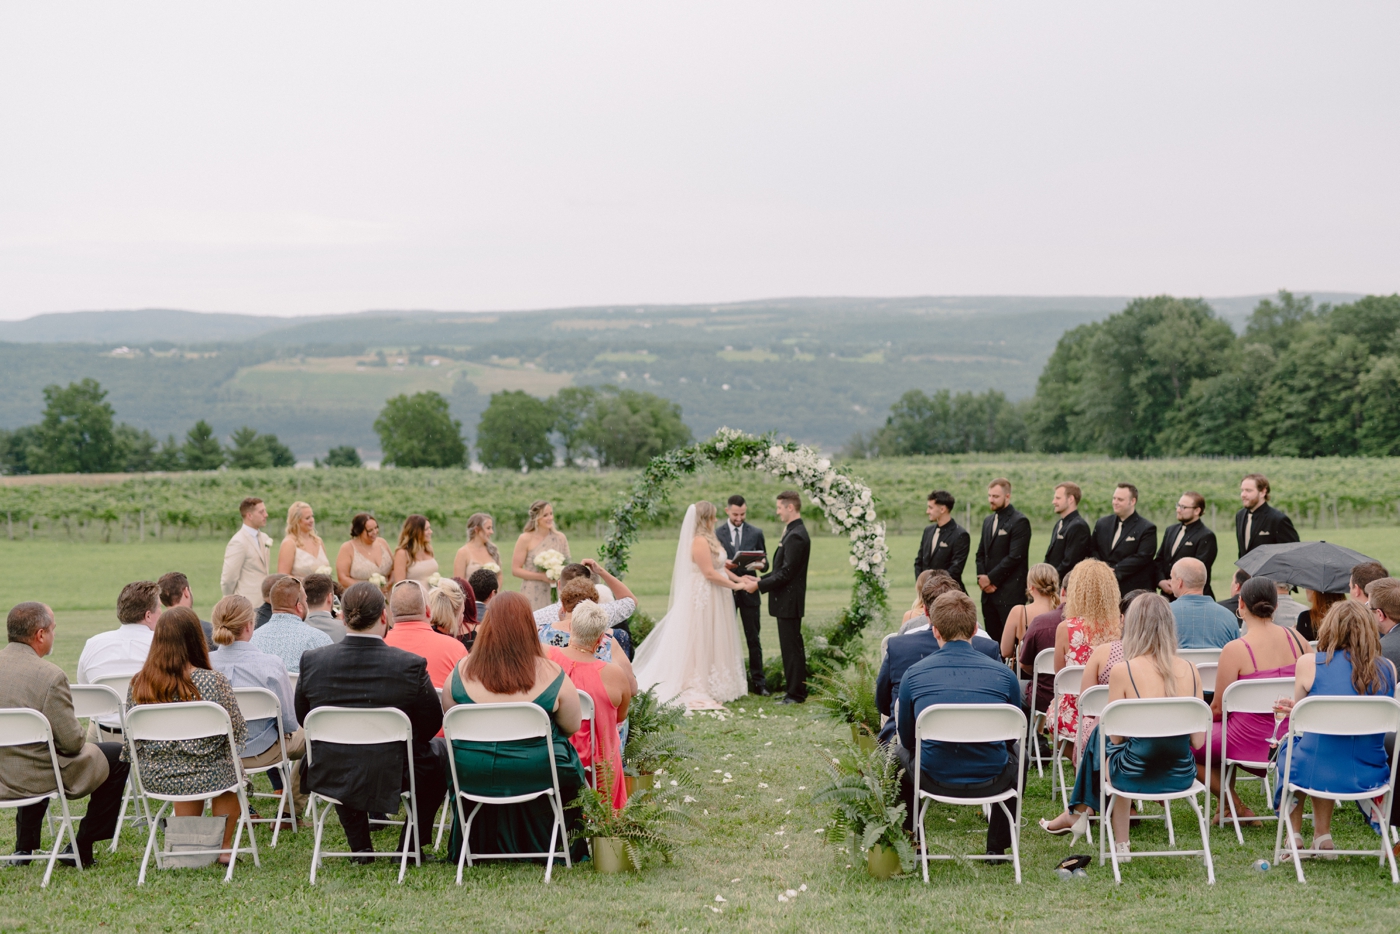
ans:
(479, 551)
(538, 536)
(1043, 591)
(302, 553)
(414, 558)
(1091, 619)
(445, 604)
(917, 608)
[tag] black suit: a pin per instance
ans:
(1270, 527)
(1198, 543)
(1004, 556)
(1133, 558)
(786, 587)
(362, 671)
(950, 554)
(1069, 544)
(749, 538)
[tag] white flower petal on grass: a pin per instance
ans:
(769, 743)
(801, 787)
(783, 898)
(791, 893)
(721, 898)
(763, 784)
(802, 887)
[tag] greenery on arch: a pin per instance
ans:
(847, 504)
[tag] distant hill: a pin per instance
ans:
(141, 326)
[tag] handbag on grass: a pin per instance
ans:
(183, 834)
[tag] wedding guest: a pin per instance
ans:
(1188, 538)
(1288, 609)
(1318, 605)
(1348, 663)
(246, 558)
(609, 686)
(1362, 577)
(539, 535)
(619, 611)
(510, 665)
(1258, 523)
(917, 607)
(411, 631)
(559, 633)
(362, 671)
(365, 555)
(470, 615)
(28, 680)
(320, 597)
(1127, 541)
(122, 651)
(1002, 558)
(286, 633)
(178, 669)
(945, 544)
(942, 583)
(446, 604)
(302, 552)
(264, 611)
(479, 550)
(245, 666)
(1069, 539)
(414, 559)
(1091, 619)
(175, 591)
(1232, 602)
(1040, 635)
(1043, 591)
(485, 590)
(1383, 598)
(1201, 623)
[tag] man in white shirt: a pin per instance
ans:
(247, 555)
(122, 651)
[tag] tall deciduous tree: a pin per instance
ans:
(251, 451)
(514, 432)
(626, 428)
(419, 431)
(77, 434)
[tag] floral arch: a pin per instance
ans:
(846, 503)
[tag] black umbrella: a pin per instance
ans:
(1319, 566)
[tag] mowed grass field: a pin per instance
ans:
(752, 838)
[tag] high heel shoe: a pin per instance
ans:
(1080, 828)
(1060, 832)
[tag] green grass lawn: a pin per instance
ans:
(748, 843)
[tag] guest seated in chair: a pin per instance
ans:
(959, 674)
(412, 631)
(508, 665)
(609, 687)
(27, 680)
(361, 671)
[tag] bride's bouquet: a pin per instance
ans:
(551, 563)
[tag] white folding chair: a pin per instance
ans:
(1339, 716)
(118, 684)
(970, 723)
(1199, 657)
(24, 726)
(1256, 697)
(499, 723)
(1043, 666)
(292, 676)
(1144, 718)
(1207, 672)
(1067, 682)
(176, 723)
(1092, 701)
(585, 701)
(91, 701)
(363, 726)
(260, 704)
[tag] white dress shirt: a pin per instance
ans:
(121, 651)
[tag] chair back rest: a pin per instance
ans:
(357, 726)
(258, 703)
(1155, 716)
(1068, 679)
(95, 700)
(118, 683)
(1044, 663)
(21, 726)
(1207, 672)
(1255, 696)
(970, 723)
(885, 644)
(1092, 700)
(292, 677)
(1199, 657)
(1345, 716)
(495, 723)
(180, 721)
(585, 701)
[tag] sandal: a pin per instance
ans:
(1287, 854)
(1323, 841)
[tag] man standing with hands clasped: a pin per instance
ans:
(1189, 538)
(246, 557)
(945, 544)
(736, 535)
(1127, 542)
(786, 587)
(1003, 558)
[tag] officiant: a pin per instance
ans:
(737, 536)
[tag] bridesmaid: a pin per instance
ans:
(302, 550)
(538, 535)
(365, 554)
(414, 560)
(479, 549)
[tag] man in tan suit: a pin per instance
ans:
(246, 557)
(27, 680)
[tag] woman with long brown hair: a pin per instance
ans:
(365, 555)
(508, 664)
(414, 558)
(177, 669)
(538, 536)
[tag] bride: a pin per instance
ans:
(693, 654)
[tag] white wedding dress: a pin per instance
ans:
(693, 655)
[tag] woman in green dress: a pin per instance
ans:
(508, 664)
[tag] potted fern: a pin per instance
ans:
(620, 837)
(867, 810)
(848, 696)
(654, 740)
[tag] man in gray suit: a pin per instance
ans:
(27, 680)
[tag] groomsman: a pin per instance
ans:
(1127, 542)
(246, 557)
(1258, 523)
(1003, 558)
(945, 545)
(1189, 538)
(1069, 539)
(736, 535)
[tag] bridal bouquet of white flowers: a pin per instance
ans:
(378, 580)
(323, 569)
(551, 563)
(491, 566)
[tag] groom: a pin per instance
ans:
(786, 587)
(736, 535)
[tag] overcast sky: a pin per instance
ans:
(295, 158)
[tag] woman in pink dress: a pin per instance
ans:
(608, 685)
(1091, 619)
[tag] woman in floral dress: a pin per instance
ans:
(1091, 619)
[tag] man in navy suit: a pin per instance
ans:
(736, 535)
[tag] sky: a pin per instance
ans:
(301, 158)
